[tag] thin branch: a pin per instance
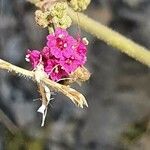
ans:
(75, 96)
(8, 123)
(12, 68)
(112, 38)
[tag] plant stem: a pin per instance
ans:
(112, 38)
(12, 68)
(74, 95)
(8, 123)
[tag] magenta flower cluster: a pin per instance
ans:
(61, 56)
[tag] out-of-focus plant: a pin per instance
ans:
(61, 61)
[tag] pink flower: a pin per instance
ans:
(59, 32)
(61, 56)
(81, 51)
(54, 70)
(70, 64)
(77, 59)
(61, 44)
(46, 53)
(33, 57)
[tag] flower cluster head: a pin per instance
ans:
(61, 56)
(79, 5)
(53, 13)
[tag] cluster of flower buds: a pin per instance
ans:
(53, 15)
(61, 56)
(79, 5)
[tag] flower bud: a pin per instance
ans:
(79, 5)
(42, 18)
(59, 15)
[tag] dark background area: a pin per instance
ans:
(118, 92)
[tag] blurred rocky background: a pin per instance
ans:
(118, 92)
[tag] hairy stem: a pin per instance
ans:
(112, 38)
(12, 68)
(74, 95)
